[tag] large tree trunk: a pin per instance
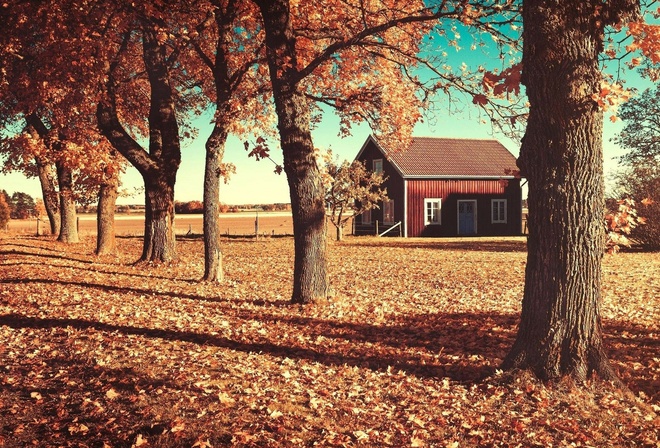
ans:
(310, 276)
(215, 148)
(165, 146)
(69, 227)
(561, 156)
(159, 222)
(106, 243)
(158, 167)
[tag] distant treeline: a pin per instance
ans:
(197, 207)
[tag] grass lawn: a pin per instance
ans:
(101, 352)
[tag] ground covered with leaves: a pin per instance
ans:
(101, 352)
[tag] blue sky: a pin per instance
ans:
(255, 181)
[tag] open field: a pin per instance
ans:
(103, 352)
(243, 223)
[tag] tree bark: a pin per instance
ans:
(561, 156)
(47, 174)
(215, 144)
(159, 222)
(69, 227)
(48, 182)
(106, 243)
(215, 148)
(310, 276)
(159, 166)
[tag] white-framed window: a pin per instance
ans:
(366, 217)
(432, 207)
(388, 212)
(498, 210)
(377, 166)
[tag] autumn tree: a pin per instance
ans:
(228, 42)
(22, 205)
(351, 189)
(48, 87)
(189, 207)
(358, 58)
(639, 177)
(639, 182)
(140, 52)
(641, 132)
(560, 330)
(5, 212)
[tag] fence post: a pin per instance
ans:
(376, 227)
(38, 226)
(256, 227)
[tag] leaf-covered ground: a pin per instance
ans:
(104, 353)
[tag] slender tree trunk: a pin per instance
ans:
(47, 174)
(215, 148)
(106, 243)
(340, 232)
(215, 144)
(69, 227)
(48, 181)
(310, 276)
(561, 156)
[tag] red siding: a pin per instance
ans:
(450, 191)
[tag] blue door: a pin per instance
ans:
(467, 217)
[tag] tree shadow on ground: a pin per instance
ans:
(81, 403)
(94, 264)
(464, 353)
(139, 291)
(465, 347)
(634, 349)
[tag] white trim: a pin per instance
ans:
(458, 219)
(437, 201)
(498, 221)
(405, 208)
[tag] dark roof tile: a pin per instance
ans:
(431, 156)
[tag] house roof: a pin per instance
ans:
(450, 157)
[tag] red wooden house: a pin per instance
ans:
(445, 187)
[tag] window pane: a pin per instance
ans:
(432, 209)
(499, 210)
